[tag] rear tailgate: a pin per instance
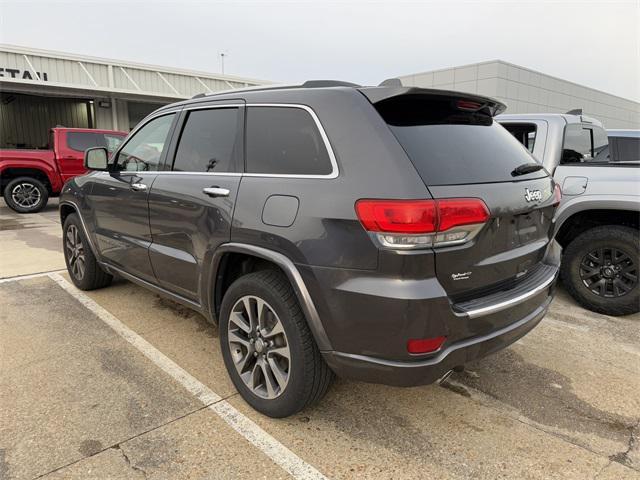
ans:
(459, 151)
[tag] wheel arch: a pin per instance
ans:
(227, 265)
(578, 217)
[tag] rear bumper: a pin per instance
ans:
(422, 372)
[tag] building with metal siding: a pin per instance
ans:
(40, 89)
(526, 91)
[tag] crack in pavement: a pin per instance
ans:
(623, 457)
(117, 446)
(128, 461)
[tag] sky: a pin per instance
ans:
(594, 43)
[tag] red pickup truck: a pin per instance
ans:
(29, 177)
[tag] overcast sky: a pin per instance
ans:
(594, 43)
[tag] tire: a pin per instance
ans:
(588, 254)
(308, 376)
(37, 197)
(83, 268)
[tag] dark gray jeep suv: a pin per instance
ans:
(387, 234)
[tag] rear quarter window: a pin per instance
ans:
(284, 141)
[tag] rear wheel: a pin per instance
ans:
(26, 195)
(268, 348)
(600, 270)
(83, 268)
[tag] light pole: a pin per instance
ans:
(222, 55)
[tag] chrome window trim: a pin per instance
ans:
(332, 157)
(335, 172)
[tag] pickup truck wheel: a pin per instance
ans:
(83, 268)
(600, 270)
(26, 195)
(268, 348)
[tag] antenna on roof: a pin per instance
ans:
(391, 82)
(199, 95)
(577, 111)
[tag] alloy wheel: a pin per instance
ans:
(75, 252)
(259, 347)
(609, 272)
(26, 195)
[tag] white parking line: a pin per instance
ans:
(27, 277)
(271, 447)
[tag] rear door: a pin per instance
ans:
(460, 151)
(191, 206)
(119, 198)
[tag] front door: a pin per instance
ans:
(191, 207)
(119, 199)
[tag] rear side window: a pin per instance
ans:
(449, 146)
(209, 141)
(284, 141)
(584, 144)
(525, 133)
(626, 149)
(80, 141)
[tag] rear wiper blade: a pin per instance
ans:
(526, 168)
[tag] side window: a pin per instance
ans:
(284, 140)
(112, 142)
(208, 141)
(142, 153)
(80, 141)
(628, 149)
(577, 144)
(525, 133)
(600, 145)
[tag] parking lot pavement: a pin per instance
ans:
(30, 243)
(80, 400)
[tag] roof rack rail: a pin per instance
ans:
(328, 83)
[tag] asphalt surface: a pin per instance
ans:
(81, 399)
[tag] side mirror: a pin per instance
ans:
(96, 158)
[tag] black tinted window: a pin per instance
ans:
(143, 151)
(449, 146)
(80, 141)
(284, 140)
(627, 149)
(208, 141)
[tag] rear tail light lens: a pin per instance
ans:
(425, 345)
(557, 195)
(422, 223)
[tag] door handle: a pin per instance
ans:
(216, 191)
(138, 187)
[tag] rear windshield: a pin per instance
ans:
(449, 146)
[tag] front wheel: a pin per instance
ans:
(600, 269)
(83, 268)
(267, 346)
(26, 195)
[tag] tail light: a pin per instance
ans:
(423, 223)
(557, 195)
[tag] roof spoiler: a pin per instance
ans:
(488, 105)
